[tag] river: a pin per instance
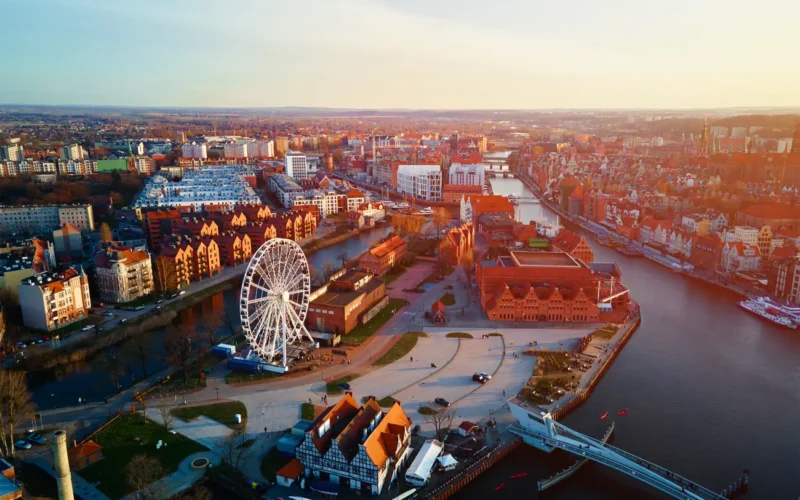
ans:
(96, 378)
(711, 390)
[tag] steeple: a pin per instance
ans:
(703, 142)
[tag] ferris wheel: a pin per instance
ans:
(274, 300)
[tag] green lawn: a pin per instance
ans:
(386, 402)
(448, 299)
(235, 377)
(130, 435)
(333, 387)
(401, 348)
(459, 335)
(272, 463)
(393, 275)
(221, 412)
(307, 411)
(607, 332)
(361, 333)
(426, 410)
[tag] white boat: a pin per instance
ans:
(426, 211)
(759, 309)
(792, 312)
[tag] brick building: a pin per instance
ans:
(381, 258)
(341, 304)
(575, 245)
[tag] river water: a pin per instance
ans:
(96, 378)
(711, 390)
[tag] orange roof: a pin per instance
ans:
(490, 203)
(387, 246)
(292, 470)
(86, 449)
(355, 193)
(383, 442)
(437, 307)
(773, 211)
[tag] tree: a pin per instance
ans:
(468, 265)
(342, 256)
(166, 416)
(15, 406)
(142, 472)
(180, 347)
(230, 447)
(441, 419)
(105, 232)
(443, 266)
(141, 347)
(441, 219)
(165, 276)
(329, 271)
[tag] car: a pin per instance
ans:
(156, 308)
(415, 430)
(108, 313)
(45, 338)
(485, 375)
(36, 439)
(182, 292)
(345, 386)
(38, 340)
(66, 336)
(99, 304)
(22, 444)
(87, 328)
(442, 402)
(123, 320)
(477, 377)
(159, 301)
(22, 345)
(173, 295)
(102, 328)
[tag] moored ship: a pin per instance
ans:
(759, 308)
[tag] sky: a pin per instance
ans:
(431, 54)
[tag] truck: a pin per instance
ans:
(223, 350)
(244, 365)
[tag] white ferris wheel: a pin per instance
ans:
(274, 300)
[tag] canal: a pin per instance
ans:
(98, 377)
(710, 390)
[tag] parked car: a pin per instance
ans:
(442, 402)
(345, 386)
(123, 320)
(36, 439)
(22, 445)
(159, 301)
(45, 338)
(182, 292)
(477, 377)
(415, 430)
(87, 328)
(38, 340)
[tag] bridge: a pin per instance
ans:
(555, 435)
(569, 471)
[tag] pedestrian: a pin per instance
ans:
(412, 359)
(504, 393)
(262, 412)
(309, 400)
(265, 430)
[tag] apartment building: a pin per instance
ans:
(223, 186)
(326, 201)
(233, 150)
(420, 181)
(38, 219)
(467, 175)
(145, 165)
(52, 300)
(123, 274)
(174, 268)
(284, 188)
(194, 150)
(234, 249)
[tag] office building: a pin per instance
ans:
(53, 300)
(74, 152)
(467, 175)
(296, 166)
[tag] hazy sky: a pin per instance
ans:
(402, 53)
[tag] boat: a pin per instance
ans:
(426, 211)
(499, 487)
(603, 416)
(623, 412)
(605, 241)
(791, 312)
(517, 476)
(629, 252)
(770, 313)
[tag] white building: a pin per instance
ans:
(285, 188)
(235, 150)
(53, 300)
(420, 181)
(326, 201)
(260, 149)
(38, 219)
(745, 234)
(73, 152)
(738, 256)
(215, 186)
(467, 175)
(194, 150)
(296, 167)
(12, 152)
(123, 275)
(145, 165)
(419, 472)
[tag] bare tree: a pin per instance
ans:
(443, 266)
(15, 406)
(166, 416)
(230, 447)
(180, 347)
(165, 277)
(231, 322)
(342, 256)
(441, 219)
(142, 472)
(141, 347)
(441, 418)
(329, 271)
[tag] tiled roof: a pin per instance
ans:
(387, 246)
(292, 470)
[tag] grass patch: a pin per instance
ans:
(393, 274)
(131, 435)
(361, 333)
(605, 333)
(426, 410)
(383, 402)
(552, 362)
(401, 348)
(235, 377)
(221, 412)
(272, 463)
(333, 387)
(448, 299)
(459, 335)
(307, 411)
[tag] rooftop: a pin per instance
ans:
(542, 259)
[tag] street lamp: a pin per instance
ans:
(217, 389)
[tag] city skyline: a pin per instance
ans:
(359, 54)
